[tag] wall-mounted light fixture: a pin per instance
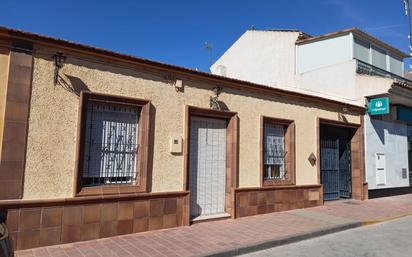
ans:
(172, 80)
(59, 60)
(214, 100)
(179, 85)
(342, 117)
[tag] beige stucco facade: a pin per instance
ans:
(52, 132)
(4, 71)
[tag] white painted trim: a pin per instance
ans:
(403, 68)
(370, 53)
(296, 59)
(388, 66)
(213, 216)
(352, 46)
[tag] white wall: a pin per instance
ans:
(323, 53)
(268, 57)
(335, 82)
(372, 85)
(387, 138)
(263, 57)
(324, 68)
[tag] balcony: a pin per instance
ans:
(368, 69)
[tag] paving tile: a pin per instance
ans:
(202, 238)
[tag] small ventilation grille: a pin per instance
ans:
(404, 174)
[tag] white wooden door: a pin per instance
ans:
(207, 166)
(380, 162)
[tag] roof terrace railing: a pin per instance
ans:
(369, 69)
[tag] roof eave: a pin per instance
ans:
(355, 31)
(13, 34)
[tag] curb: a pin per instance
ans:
(258, 246)
(371, 222)
(278, 242)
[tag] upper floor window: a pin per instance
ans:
(378, 57)
(361, 51)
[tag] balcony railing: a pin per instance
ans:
(368, 69)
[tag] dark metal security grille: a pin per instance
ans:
(335, 169)
(110, 145)
(329, 167)
(345, 174)
(410, 155)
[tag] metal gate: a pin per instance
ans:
(335, 169)
(410, 155)
(345, 170)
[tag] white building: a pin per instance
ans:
(349, 66)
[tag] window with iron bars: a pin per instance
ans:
(110, 149)
(274, 151)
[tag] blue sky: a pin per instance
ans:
(175, 31)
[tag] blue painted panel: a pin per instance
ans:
(404, 113)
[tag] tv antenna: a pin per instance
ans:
(209, 47)
(407, 9)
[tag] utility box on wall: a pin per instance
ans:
(176, 144)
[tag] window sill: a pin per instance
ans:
(275, 182)
(109, 190)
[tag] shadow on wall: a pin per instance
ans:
(393, 129)
(73, 85)
(159, 76)
(223, 106)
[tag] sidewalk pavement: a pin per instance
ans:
(232, 237)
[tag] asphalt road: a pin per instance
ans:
(393, 239)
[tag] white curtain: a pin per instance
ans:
(111, 141)
(275, 146)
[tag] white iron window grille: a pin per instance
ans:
(274, 151)
(110, 144)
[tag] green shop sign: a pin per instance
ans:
(378, 106)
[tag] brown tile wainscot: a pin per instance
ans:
(260, 200)
(34, 223)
